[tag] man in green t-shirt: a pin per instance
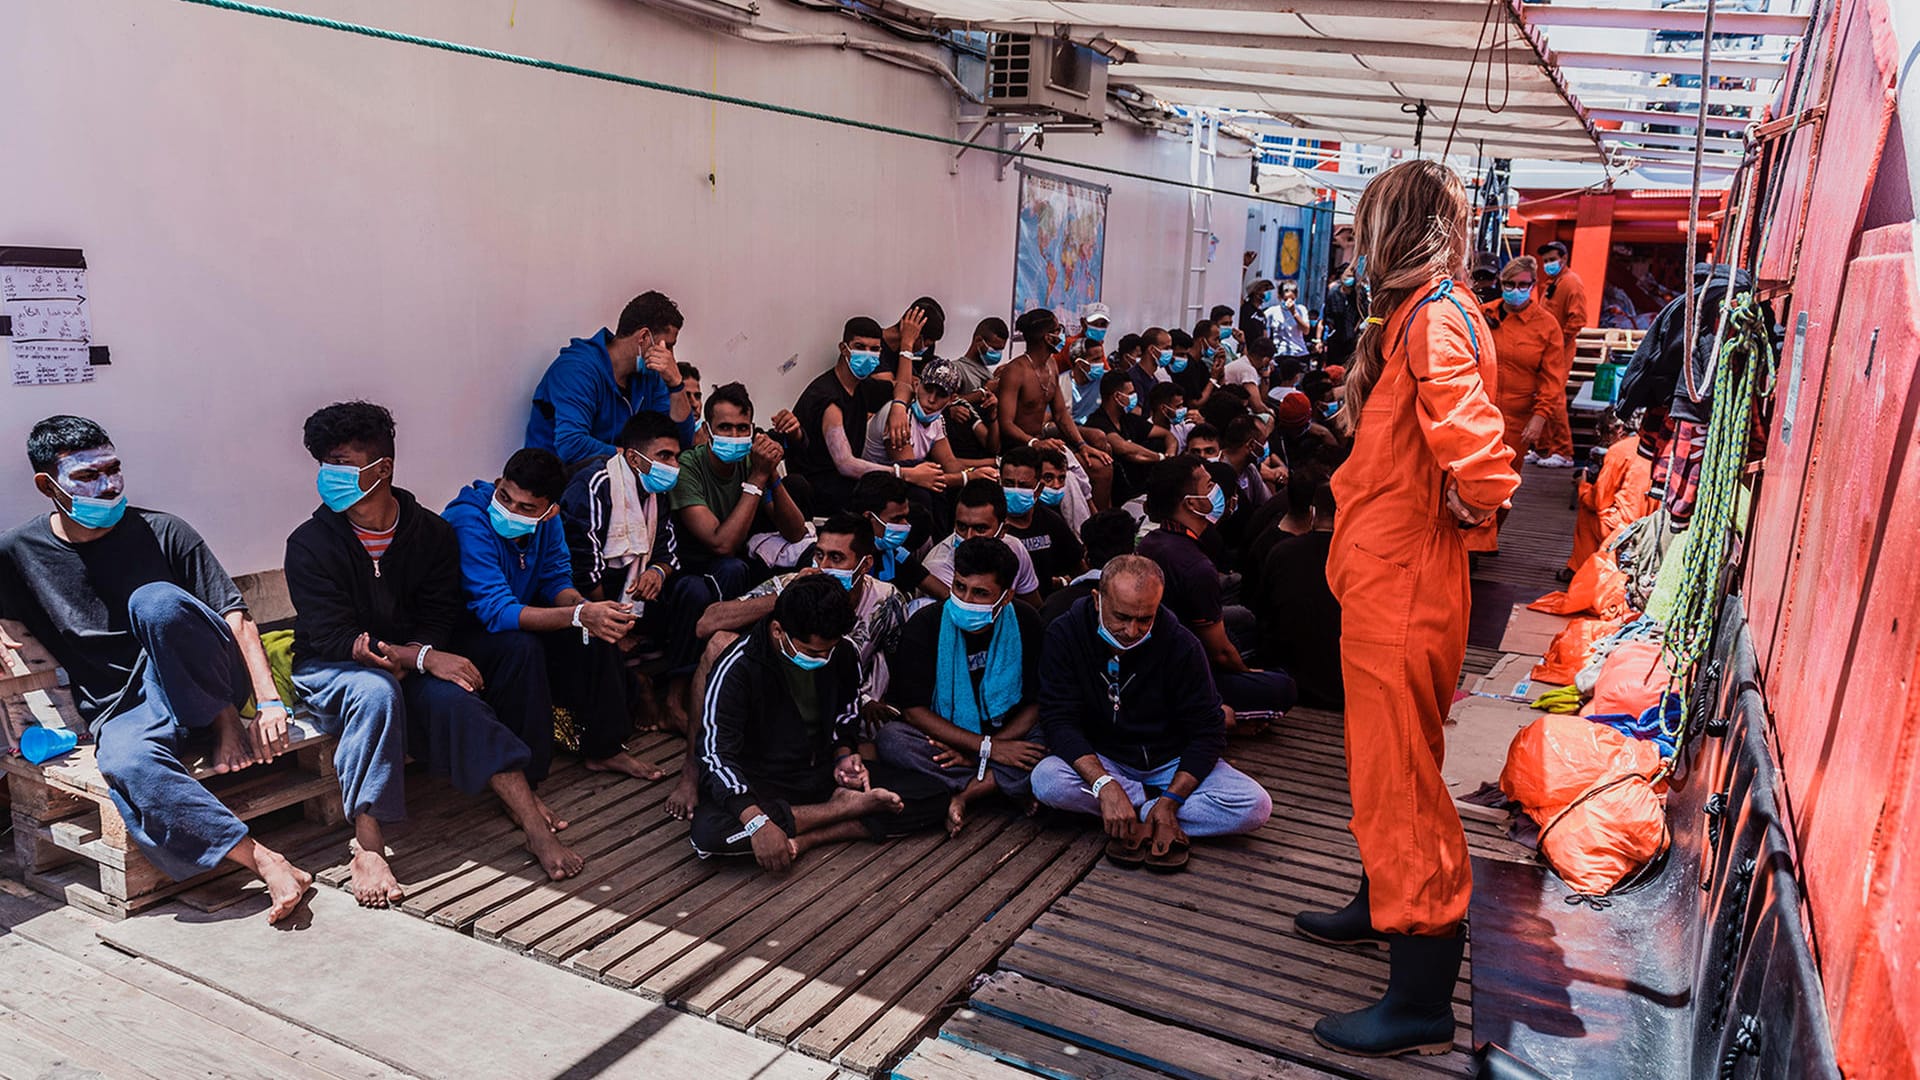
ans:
(727, 488)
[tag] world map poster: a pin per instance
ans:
(1060, 248)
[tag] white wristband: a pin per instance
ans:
(986, 751)
(420, 659)
(585, 635)
(746, 831)
(1103, 781)
(754, 490)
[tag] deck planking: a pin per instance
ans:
(1200, 975)
(853, 956)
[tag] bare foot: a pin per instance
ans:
(373, 882)
(680, 802)
(232, 751)
(878, 800)
(557, 859)
(956, 815)
(286, 883)
(624, 762)
(554, 824)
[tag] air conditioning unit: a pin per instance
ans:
(1027, 74)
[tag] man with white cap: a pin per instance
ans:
(1084, 361)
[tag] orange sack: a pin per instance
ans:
(1572, 650)
(1631, 681)
(1598, 588)
(1591, 790)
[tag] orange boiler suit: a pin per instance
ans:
(1533, 375)
(1616, 498)
(1566, 297)
(1399, 569)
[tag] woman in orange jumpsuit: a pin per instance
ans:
(1428, 460)
(1527, 342)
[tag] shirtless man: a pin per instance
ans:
(1030, 399)
(158, 645)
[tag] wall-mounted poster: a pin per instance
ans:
(1292, 246)
(1060, 248)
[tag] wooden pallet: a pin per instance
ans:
(72, 844)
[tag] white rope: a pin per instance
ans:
(1693, 202)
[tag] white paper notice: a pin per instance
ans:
(51, 328)
(50, 363)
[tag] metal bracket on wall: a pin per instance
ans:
(991, 133)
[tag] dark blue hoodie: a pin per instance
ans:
(578, 409)
(502, 576)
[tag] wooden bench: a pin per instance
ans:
(69, 840)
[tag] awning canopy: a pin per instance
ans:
(1605, 80)
(1356, 70)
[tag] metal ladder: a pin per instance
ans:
(1202, 142)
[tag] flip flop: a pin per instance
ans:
(1126, 856)
(1175, 859)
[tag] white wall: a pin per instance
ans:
(276, 217)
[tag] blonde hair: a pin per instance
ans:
(1412, 227)
(1523, 263)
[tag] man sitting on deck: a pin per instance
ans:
(375, 579)
(1033, 410)
(844, 551)
(621, 538)
(535, 638)
(729, 488)
(780, 766)
(159, 646)
(596, 383)
(1134, 723)
(965, 677)
(981, 511)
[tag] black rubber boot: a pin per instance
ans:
(1417, 1013)
(1351, 925)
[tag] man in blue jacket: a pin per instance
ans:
(535, 639)
(596, 383)
(1133, 720)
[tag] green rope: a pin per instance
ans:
(1744, 366)
(381, 34)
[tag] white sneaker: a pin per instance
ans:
(1533, 458)
(1557, 461)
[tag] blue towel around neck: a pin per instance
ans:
(953, 693)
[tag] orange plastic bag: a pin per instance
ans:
(1590, 789)
(1572, 650)
(1598, 588)
(1631, 681)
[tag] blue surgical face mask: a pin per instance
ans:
(1516, 298)
(1267, 297)
(969, 618)
(1207, 351)
(1552, 268)
(1096, 372)
(846, 578)
(1347, 281)
(1178, 364)
(863, 363)
(893, 536)
(1096, 334)
(991, 357)
(1106, 635)
(660, 477)
(339, 486)
(1216, 504)
(1052, 496)
(91, 513)
(509, 525)
(802, 660)
(1180, 415)
(1133, 401)
(731, 448)
(1019, 500)
(921, 414)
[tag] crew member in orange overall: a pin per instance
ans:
(1566, 297)
(1528, 345)
(1616, 498)
(1428, 459)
